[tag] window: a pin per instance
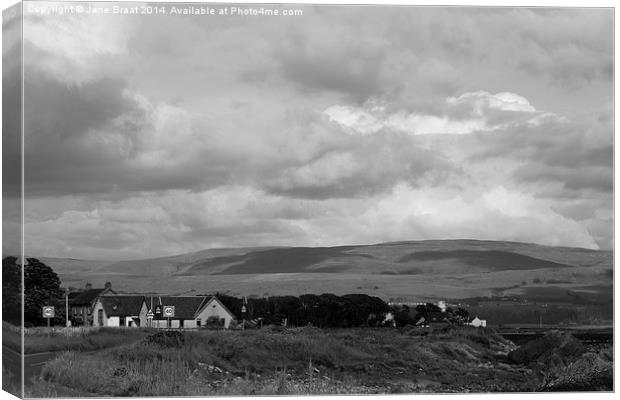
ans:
(100, 317)
(121, 321)
(181, 323)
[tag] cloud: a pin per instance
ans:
(480, 101)
(365, 166)
(351, 124)
(181, 221)
(465, 114)
(76, 48)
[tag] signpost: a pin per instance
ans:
(149, 318)
(67, 309)
(48, 313)
(244, 311)
(168, 312)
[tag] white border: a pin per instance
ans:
(485, 3)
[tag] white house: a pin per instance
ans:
(215, 308)
(189, 311)
(477, 322)
(125, 311)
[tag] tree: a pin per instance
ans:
(423, 310)
(460, 316)
(41, 287)
(402, 315)
(11, 290)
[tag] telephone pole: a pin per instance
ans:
(67, 308)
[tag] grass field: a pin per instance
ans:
(297, 361)
(37, 340)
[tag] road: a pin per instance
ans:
(32, 362)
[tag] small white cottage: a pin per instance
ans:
(477, 322)
(215, 308)
(189, 311)
(120, 311)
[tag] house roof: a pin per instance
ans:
(121, 306)
(73, 295)
(87, 297)
(185, 307)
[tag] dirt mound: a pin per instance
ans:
(554, 345)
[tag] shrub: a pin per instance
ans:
(214, 323)
(588, 373)
(540, 350)
(167, 339)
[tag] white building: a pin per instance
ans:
(477, 322)
(120, 311)
(189, 311)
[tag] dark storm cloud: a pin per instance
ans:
(11, 103)
(11, 129)
(58, 156)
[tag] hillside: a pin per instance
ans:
(417, 269)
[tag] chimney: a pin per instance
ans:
(108, 285)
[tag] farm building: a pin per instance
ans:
(477, 322)
(130, 311)
(189, 311)
(81, 303)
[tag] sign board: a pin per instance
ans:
(150, 314)
(48, 312)
(158, 311)
(168, 311)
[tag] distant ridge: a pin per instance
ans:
(411, 269)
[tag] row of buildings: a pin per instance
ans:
(105, 307)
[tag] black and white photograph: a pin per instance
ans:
(272, 199)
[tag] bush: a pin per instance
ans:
(591, 372)
(542, 350)
(167, 339)
(214, 323)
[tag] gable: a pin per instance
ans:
(216, 306)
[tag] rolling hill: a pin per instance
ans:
(411, 270)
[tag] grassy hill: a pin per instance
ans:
(430, 269)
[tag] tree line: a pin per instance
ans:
(43, 287)
(325, 311)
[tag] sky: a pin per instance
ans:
(155, 135)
